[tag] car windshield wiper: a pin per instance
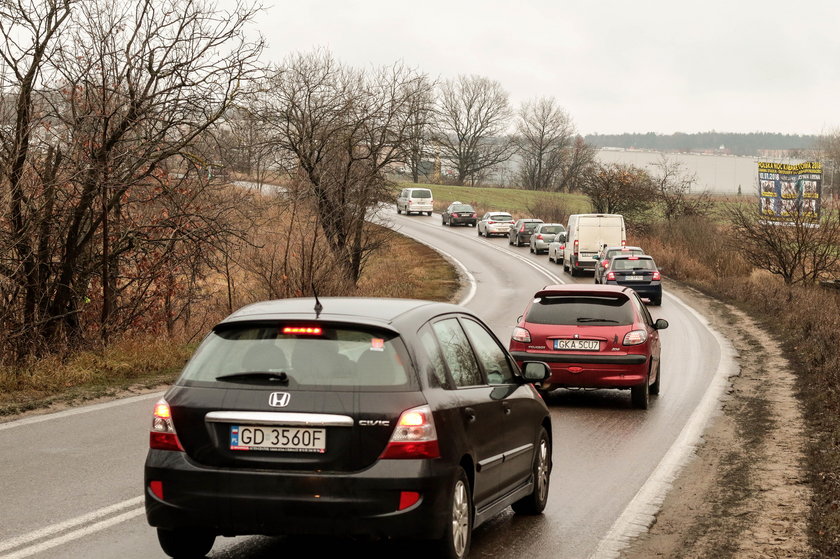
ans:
(269, 376)
(591, 319)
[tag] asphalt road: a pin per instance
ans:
(72, 481)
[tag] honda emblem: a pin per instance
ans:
(279, 399)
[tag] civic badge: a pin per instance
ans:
(279, 399)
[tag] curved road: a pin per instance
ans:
(72, 481)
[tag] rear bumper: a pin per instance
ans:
(490, 230)
(239, 502)
(591, 371)
(463, 220)
(647, 291)
(419, 207)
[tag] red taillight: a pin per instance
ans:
(454, 215)
(632, 258)
(656, 276)
(408, 499)
(623, 243)
(490, 222)
(605, 263)
(521, 335)
(611, 276)
(539, 236)
(576, 246)
(306, 330)
(157, 489)
(522, 229)
(475, 215)
(163, 435)
(414, 436)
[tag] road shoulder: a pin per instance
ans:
(745, 492)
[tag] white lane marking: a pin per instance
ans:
(72, 523)
(641, 511)
(77, 411)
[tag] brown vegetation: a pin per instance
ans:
(701, 253)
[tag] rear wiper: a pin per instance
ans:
(590, 319)
(280, 377)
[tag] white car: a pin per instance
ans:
(415, 200)
(494, 223)
(556, 247)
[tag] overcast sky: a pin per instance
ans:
(615, 65)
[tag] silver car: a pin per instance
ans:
(543, 235)
(555, 248)
(495, 223)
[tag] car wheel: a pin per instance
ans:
(656, 301)
(550, 259)
(640, 394)
(654, 387)
(572, 270)
(455, 543)
(535, 502)
(530, 248)
(430, 214)
(185, 543)
(399, 211)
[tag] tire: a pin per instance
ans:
(536, 501)
(430, 214)
(399, 211)
(657, 301)
(640, 394)
(550, 259)
(455, 542)
(572, 270)
(654, 387)
(185, 543)
(531, 249)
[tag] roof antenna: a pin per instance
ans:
(318, 306)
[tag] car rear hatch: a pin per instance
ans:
(319, 397)
(634, 271)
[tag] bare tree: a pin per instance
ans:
(673, 184)
(122, 98)
(339, 129)
(418, 143)
(545, 135)
(797, 249)
(620, 189)
(827, 151)
(472, 129)
(576, 166)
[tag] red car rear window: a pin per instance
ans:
(577, 310)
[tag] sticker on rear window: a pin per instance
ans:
(377, 344)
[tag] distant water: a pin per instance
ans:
(720, 174)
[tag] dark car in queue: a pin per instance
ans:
(459, 214)
(347, 416)
(638, 272)
(605, 255)
(520, 231)
(592, 336)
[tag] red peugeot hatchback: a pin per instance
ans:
(599, 336)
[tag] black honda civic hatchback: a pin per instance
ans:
(392, 417)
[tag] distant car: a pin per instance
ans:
(543, 234)
(606, 253)
(592, 336)
(586, 234)
(520, 232)
(494, 223)
(556, 247)
(348, 416)
(459, 214)
(415, 200)
(637, 272)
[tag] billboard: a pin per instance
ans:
(787, 190)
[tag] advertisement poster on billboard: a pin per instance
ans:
(790, 190)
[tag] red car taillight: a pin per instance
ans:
(521, 335)
(635, 337)
(454, 215)
(576, 246)
(414, 436)
(539, 236)
(163, 435)
(522, 229)
(605, 263)
(610, 276)
(656, 276)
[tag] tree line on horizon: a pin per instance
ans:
(735, 143)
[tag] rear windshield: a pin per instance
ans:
(552, 229)
(462, 208)
(611, 253)
(627, 264)
(531, 225)
(500, 217)
(335, 356)
(581, 310)
(420, 194)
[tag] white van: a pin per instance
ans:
(417, 200)
(585, 236)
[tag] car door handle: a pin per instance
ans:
(470, 414)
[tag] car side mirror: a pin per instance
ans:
(660, 324)
(518, 319)
(535, 371)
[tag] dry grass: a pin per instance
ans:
(805, 317)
